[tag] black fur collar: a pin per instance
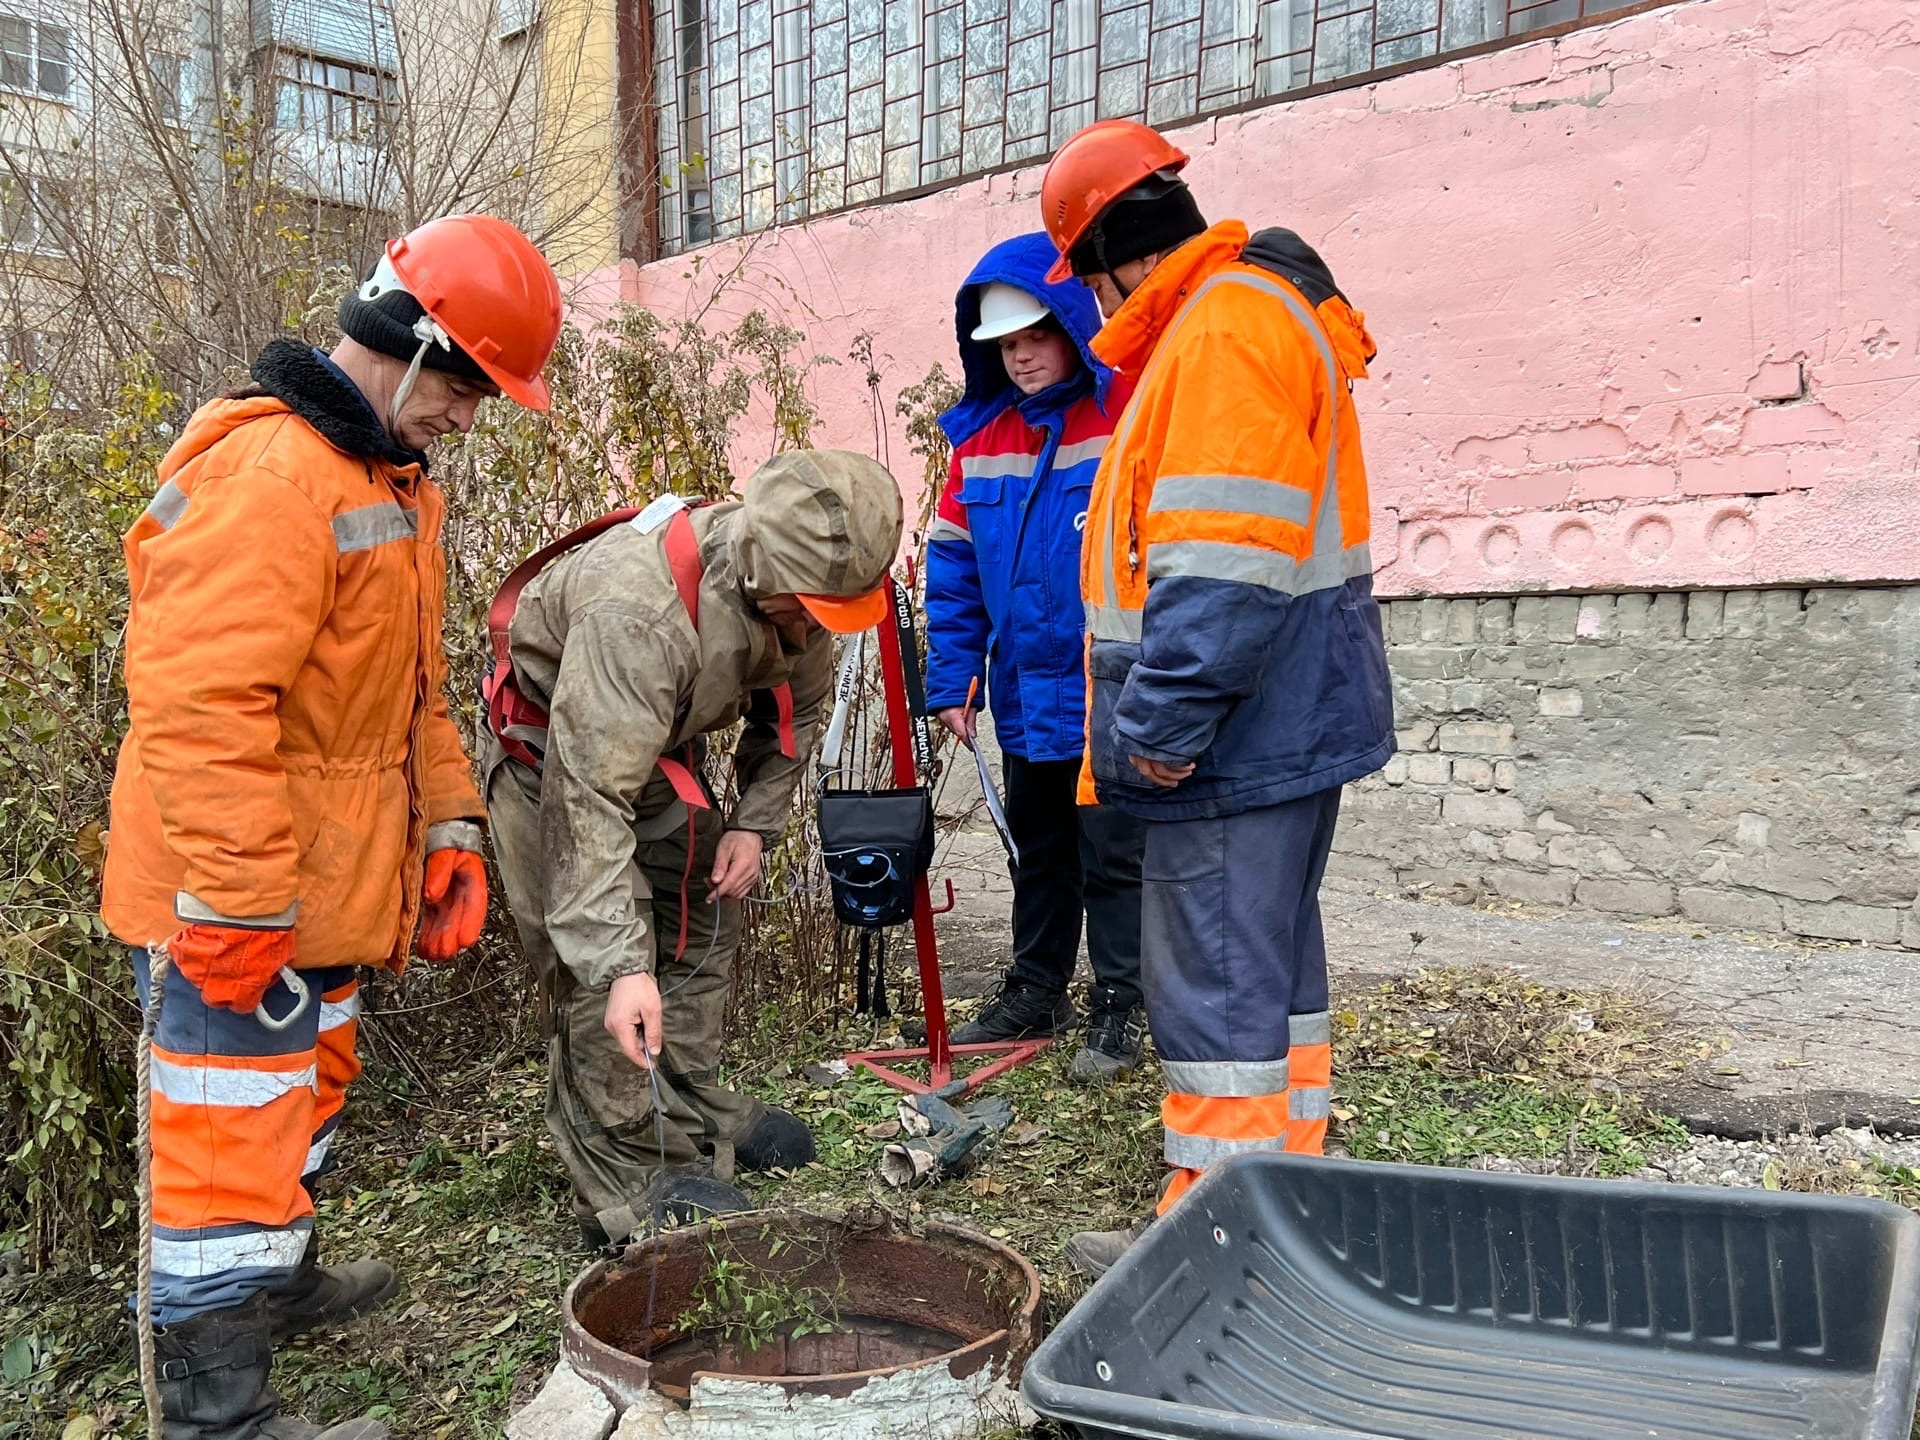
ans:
(291, 372)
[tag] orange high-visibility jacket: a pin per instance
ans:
(1226, 568)
(289, 741)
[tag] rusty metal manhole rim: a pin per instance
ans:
(843, 1382)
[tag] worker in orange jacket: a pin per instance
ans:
(292, 800)
(1237, 673)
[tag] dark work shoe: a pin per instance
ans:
(679, 1196)
(687, 1198)
(781, 1141)
(328, 1295)
(1019, 1012)
(1097, 1251)
(1114, 1040)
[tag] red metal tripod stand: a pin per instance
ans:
(938, 1051)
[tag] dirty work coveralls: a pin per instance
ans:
(1232, 626)
(593, 848)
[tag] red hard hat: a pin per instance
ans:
(495, 295)
(1093, 169)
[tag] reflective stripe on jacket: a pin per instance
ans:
(1226, 571)
(289, 741)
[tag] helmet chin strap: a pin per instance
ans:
(429, 335)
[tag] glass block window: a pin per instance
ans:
(773, 110)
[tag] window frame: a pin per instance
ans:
(36, 204)
(36, 59)
(323, 86)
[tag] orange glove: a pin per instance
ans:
(454, 903)
(231, 966)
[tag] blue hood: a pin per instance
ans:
(1022, 261)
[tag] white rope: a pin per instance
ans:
(157, 966)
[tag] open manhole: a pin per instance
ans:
(774, 1323)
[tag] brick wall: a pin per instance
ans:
(1743, 758)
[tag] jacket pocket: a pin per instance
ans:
(1108, 664)
(984, 497)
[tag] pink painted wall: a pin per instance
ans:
(1648, 296)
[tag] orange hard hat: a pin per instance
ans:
(1093, 169)
(493, 293)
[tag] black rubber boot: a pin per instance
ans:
(213, 1372)
(1115, 1038)
(1097, 1251)
(684, 1196)
(1018, 1012)
(328, 1294)
(781, 1141)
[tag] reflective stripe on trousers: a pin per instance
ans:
(241, 1114)
(1216, 1110)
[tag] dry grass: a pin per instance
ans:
(1486, 1023)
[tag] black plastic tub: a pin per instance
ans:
(1327, 1299)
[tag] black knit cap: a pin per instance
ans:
(385, 324)
(1150, 219)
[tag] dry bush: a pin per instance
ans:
(641, 407)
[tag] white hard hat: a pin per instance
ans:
(1005, 309)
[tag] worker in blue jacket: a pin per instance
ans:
(1004, 607)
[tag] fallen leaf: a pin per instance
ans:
(81, 1427)
(1340, 1113)
(16, 1361)
(1025, 1134)
(90, 849)
(513, 1318)
(885, 1130)
(999, 1232)
(1726, 1069)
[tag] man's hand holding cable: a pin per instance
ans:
(736, 866)
(232, 966)
(633, 1017)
